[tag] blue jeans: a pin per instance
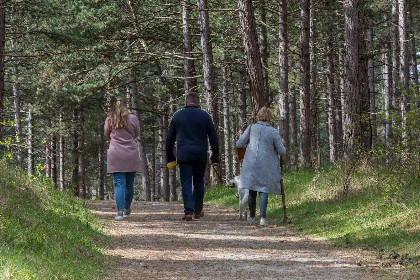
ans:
(124, 189)
(192, 173)
(252, 203)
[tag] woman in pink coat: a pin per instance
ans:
(123, 154)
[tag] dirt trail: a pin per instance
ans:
(156, 244)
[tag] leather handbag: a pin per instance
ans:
(240, 152)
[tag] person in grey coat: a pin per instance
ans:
(260, 170)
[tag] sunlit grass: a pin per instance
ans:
(46, 234)
(381, 211)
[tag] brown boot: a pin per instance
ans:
(199, 215)
(187, 217)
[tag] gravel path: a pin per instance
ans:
(155, 244)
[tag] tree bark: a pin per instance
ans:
(413, 52)
(386, 88)
(293, 127)
(190, 80)
(252, 56)
(331, 121)
(2, 66)
(144, 170)
(48, 152)
(404, 66)
(305, 79)
(226, 126)
(356, 128)
(262, 30)
(164, 172)
(17, 115)
(101, 160)
(80, 155)
(283, 77)
(75, 172)
(371, 90)
(242, 99)
(153, 179)
(31, 162)
(61, 154)
(54, 160)
(172, 172)
(395, 59)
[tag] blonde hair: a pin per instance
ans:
(118, 115)
(264, 114)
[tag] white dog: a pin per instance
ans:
(243, 195)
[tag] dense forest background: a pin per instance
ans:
(341, 77)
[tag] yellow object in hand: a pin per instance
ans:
(171, 164)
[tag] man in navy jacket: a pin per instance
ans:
(190, 127)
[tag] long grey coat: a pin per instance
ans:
(261, 166)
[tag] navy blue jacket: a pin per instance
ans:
(190, 128)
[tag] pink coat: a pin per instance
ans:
(123, 153)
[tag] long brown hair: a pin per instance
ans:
(118, 113)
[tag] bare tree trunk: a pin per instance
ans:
(283, 77)
(80, 155)
(144, 170)
(371, 90)
(404, 67)
(75, 172)
(262, 30)
(242, 99)
(54, 160)
(153, 179)
(190, 82)
(16, 99)
(226, 127)
(331, 121)
(386, 89)
(164, 172)
(172, 172)
(2, 52)
(31, 162)
(252, 55)
(48, 152)
(61, 154)
(314, 130)
(395, 59)
(338, 102)
(305, 79)
(413, 52)
(101, 160)
(356, 130)
(293, 127)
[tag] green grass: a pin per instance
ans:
(44, 233)
(381, 211)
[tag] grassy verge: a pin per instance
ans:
(45, 234)
(381, 211)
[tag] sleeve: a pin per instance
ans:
(170, 142)
(107, 131)
(136, 128)
(278, 144)
(244, 139)
(214, 141)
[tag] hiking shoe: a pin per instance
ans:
(187, 217)
(263, 222)
(119, 216)
(127, 213)
(251, 221)
(199, 215)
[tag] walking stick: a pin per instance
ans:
(283, 196)
(217, 173)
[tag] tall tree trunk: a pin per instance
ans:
(314, 130)
(31, 162)
(283, 76)
(144, 170)
(371, 89)
(356, 128)
(404, 66)
(153, 179)
(80, 155)
(54, 160)
(395, 59)
(48, 152)
(2, 68)
(61, 154)
(339, 101)
(17, 115)
(386, 88)
(252, 56)
(242, 99)
(226, 127)
(164, 172)
(101, 160)
(331, 121)
(413, 52)
(172, 172)
(75, 171)
(305, 79)
(293, 127)
(190, 82)
(262, 30)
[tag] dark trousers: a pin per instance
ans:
(192, 173)
(252, 203)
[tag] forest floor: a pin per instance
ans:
(156, 244)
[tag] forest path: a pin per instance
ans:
(155, 244)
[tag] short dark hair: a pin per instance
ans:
(192, 98)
